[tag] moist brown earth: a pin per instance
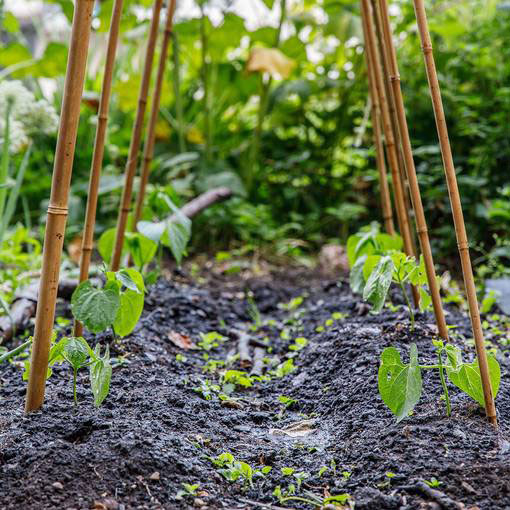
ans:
(155, 431)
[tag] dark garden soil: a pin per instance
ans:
(155, 432)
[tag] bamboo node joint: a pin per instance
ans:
(58, 211)
(463, 246)
(427, 48)
(394, 77)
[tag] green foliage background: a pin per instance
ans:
(314, 178)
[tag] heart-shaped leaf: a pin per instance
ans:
(400, 384)
(131, 304)
(151, 230)
(466, 376)
(96, 308)
(76, 351)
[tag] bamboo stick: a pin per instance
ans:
(391, 148)
(421, 223)
(136, 137)
(97, 157)
(58, 206)
(148, 150)
(458, 218)
(379, 152)
(385, 59)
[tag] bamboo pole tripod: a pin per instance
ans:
(97, 157)
(391, 147)
(148, 150)
(58, 206)
(387, 212)
(421, 223)
(136, 137)
(458, 218)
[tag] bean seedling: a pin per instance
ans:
(400, 384)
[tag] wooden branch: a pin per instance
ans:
(203, 201)
(243, 349)
(258, 361)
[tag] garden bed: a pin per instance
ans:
(155, 431)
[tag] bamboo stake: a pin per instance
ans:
(97, 157)
(391, 148)
(379, 151)
(458, 218)
(58, 206)
(136, 137)
(421, 223)
(148, 150)
(385, 59)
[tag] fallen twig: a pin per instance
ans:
(258, 361)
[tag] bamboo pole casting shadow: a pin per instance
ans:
(97, 157)
(421, 223)
(387, 212)
(136, 138)
(391, 148)
(458, 218)
(58, 206)
(148, 150)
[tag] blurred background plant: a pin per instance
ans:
(269, 97)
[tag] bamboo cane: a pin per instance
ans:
(391, 148)
(58, 206)
(97, 157)
(379, 151)
(421, 223)
(383, 51)
(136, 137)
(458, 218)
(384, 60)
(148, 150)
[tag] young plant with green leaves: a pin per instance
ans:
(118, 304)
(400, 384)
(233, 470)
(376, 262)
(78, 354)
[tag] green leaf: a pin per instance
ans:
(131, 305)
(141, 248)
(96, 308)
(151, 230)
(378, 283)
(466, 376)
(269, 3)
(177, 234)
(425, 299)
(76, 351)
(124, 277)
(100, 375)
(400, 384)
(352, 242)
(106, 244)
(356, 278)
